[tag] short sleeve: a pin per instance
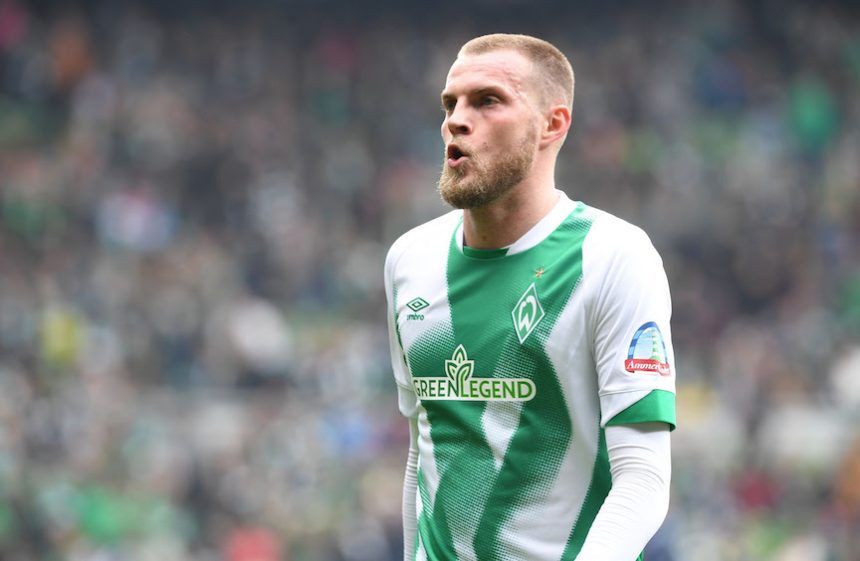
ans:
(630, 326)
(407, 401)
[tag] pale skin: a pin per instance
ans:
(491, 101)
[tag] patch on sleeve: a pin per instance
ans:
(647, 351)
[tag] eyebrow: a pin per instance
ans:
(484, 90)
(495, 90)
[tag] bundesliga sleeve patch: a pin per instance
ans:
(647, 351)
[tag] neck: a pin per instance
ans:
(506, 220)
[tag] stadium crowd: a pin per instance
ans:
(195, 205)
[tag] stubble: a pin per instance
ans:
(478, 182)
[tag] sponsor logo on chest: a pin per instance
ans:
(459, 384)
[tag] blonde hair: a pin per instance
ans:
(553, 70)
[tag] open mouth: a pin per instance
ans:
(455, 154)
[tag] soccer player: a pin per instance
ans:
(529, 338)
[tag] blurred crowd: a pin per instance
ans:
(195, 205)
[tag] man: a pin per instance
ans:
(529, 337)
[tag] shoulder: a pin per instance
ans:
(623, 274)
(618, 258)
(611, 238)
(423, 238)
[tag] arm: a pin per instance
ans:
(639, 458)
(408, 406)
(630, 322)
(410, 489)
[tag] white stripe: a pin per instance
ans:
(417, 274)
(500, 421)
(426, 458)
(421, 554)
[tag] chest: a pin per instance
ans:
(496, 314)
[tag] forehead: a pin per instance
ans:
(506, 69)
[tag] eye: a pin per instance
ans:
(448, 105)
(488, 100)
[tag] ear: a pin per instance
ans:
(556, 124)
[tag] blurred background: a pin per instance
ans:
(196, 199)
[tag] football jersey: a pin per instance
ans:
(513, 361)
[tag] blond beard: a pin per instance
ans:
(484, 183)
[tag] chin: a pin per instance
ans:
(469, 196)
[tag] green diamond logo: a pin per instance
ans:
(527, 313)
(417, 304)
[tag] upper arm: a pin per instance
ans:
(407, 401)
(630, 321)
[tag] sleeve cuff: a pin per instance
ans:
(657, 406)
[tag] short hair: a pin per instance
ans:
(552, 68)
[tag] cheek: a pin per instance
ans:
(511, 135)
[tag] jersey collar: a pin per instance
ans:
(547, 225)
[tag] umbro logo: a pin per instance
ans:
(416, 305)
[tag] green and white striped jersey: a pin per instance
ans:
(513, 361)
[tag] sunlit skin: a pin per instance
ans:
(495, 119)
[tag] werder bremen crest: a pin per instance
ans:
(527, 313)
(460, 385)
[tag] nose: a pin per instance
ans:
(458, 121)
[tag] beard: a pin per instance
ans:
(478, 183)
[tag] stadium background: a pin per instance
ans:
(195, 203)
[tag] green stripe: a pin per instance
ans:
(427, 355)
(427, 527)
(463, 457)
(657, 406)
(544, 434)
